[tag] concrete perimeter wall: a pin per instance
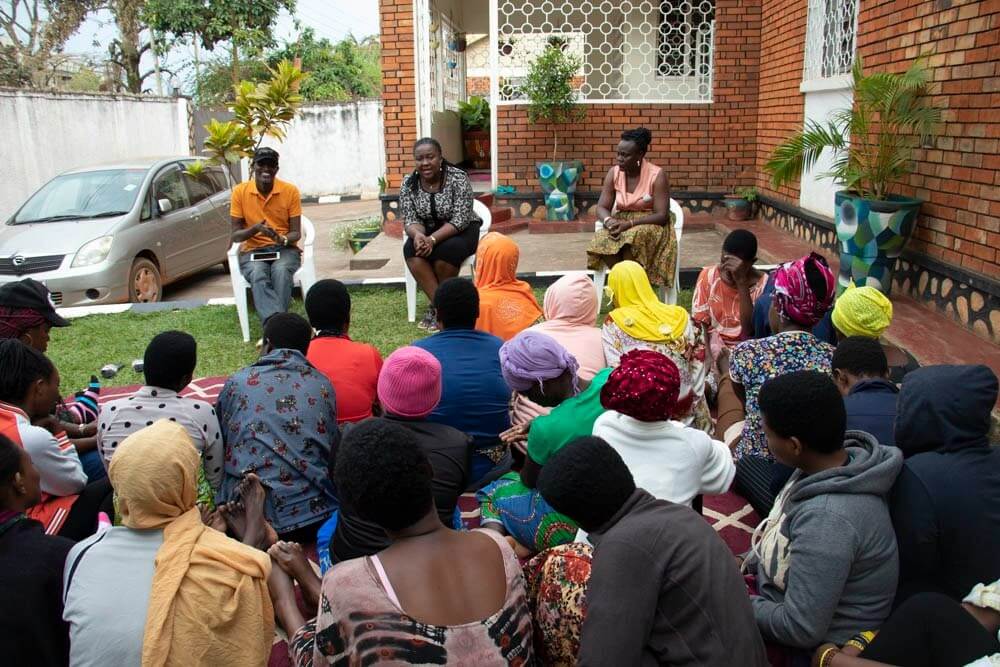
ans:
(47, 133)
(331, 149)
(334, 149)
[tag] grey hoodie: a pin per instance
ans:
(827, 561)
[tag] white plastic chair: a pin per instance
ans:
(483, 212)
(667, 295)
(305, 277)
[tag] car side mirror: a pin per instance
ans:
(165, 205)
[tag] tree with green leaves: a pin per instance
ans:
(549, 89)
(127, 49)
(35, 30)
(243, 24)
(347, 70)
(338, 72)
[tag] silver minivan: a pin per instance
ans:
(118, 232)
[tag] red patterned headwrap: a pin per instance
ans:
(795, 299)
(15, 321)
(645, 386)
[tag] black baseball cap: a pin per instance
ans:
(265, 154)
(30, 293)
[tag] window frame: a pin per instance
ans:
(823, 47)
(173, 167)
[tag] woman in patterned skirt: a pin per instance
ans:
(634, 210)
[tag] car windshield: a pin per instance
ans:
(85, 195)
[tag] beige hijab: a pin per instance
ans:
(209, 603)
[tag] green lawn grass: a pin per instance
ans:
(378, 316)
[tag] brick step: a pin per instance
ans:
(501, 214)
(509, 226)
(536, 226)
(487, 198)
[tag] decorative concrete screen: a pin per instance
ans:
(830, 38)
(631, 50)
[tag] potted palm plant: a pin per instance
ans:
(551, 98)
(872, 144)
(475, 116)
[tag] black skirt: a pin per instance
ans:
(454, 250)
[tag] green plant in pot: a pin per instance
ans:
(742, 205)
(475, 116)
(356, 235)
(872, 144)
(549, 89)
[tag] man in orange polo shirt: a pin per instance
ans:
(266, 217)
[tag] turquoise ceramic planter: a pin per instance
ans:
(558, 180)
(872, 234)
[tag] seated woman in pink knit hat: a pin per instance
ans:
(409, 388)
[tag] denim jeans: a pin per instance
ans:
(271, 282)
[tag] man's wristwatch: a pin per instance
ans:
(432, 239)
(284, 241)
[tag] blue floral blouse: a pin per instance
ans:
(753, 362)
(279, 420)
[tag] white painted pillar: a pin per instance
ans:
(184, 127)
(422, 65)
(494, 54)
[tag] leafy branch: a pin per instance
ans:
(260, 110)
(549, 89)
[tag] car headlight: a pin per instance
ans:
(93, 252)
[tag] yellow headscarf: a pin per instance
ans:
(209, 603)
(862, 311)
(637, 310)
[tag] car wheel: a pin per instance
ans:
(144, 282)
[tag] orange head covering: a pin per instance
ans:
(507, 305)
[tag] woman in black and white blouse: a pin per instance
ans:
(442, 230)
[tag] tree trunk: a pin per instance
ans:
(236, 64)
(197, 70)
(130, 62)
(126, 15)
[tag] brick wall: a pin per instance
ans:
(477, 85)
(760, 47)
(399, 95)
(959, 177)
(780, 105)
(704, 146)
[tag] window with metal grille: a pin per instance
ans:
(684, 37)
(629, 50)
(830, 38)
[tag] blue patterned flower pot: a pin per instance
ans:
(558, 180)
(872, 234)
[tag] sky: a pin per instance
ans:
(333, 19)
